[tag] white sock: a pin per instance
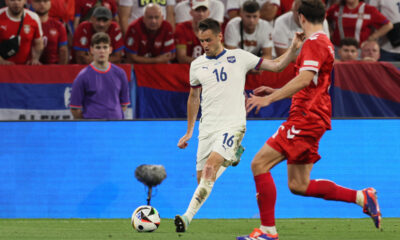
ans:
(360, 198)
(269, 230)
(201, 194)
(220, 171)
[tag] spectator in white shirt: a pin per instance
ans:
(268, 8)
(182, 11)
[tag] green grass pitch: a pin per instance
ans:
(204, 229)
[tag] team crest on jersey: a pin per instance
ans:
(27, 28)
(157, 44)
(231, 59)
(53, 32)
(83, 40)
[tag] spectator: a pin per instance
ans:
(100, 91)
(85, 8)
(370, 51)
(352, 18)
(150, 39)
(348, 50)
(268, 8)
(54, 35)
(249, 32)
(188, 46)
(63, 10)
(29, 37)
(99, 22)
(286, 27)
(182, 10)
(131, 10)
(390, 50)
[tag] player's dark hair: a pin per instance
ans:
(250, 6)
(210, 24)
(312, 10)
(349, 42)
(100, 37)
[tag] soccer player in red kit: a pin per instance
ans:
(54, 35)
(297, 139)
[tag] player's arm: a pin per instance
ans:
(296, 84)
(171, 15)
(124, 12)
(193, 105)
(5, 62)
(280, 63)
(267, 53)
(381, 31)
(116, 57)
(83, 57)
(36, 51)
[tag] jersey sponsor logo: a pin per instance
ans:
(27, 29)
(250, 43)
(169, 42)
(118, 37)
(231, 59)
(83, 40)
(143, 3)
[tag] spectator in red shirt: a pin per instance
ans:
(150, 39)
(30, 36)
(188, 46)
(54, 35)
(99, 22)
(352, 18)
(85, 8)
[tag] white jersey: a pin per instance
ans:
(138, 7)
(237, 4)
(254, 42)
(182, 11)
(391, 10)
(222, 79)
(286, 28)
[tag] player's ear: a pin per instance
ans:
(110, 49)
(220, 36)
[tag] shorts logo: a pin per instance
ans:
(292, 130)
(231, 59)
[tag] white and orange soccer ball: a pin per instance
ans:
(145, 219)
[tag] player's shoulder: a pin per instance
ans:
(84, 73)
(32, 15)
(198, 61)
(265, 25)
(284, 19)
(318, 38)
(234, 21)
(3, 12)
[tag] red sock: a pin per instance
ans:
(328, 190)
(266, 198)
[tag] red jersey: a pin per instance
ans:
(31, 30)
(62, 9)
(82, 7)
(311, 106)
(54, 36)
(184, 36)
(357, 24)
(143, 43)
(85, 31)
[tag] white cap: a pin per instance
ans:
(199, 3)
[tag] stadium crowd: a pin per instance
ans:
(165, 31)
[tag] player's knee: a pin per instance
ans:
(259, 164)
(297, 187)
(208, 172)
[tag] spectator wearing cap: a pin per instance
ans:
(150, 39)
(268, 8)
(183, 13)
(54, 35)
(286, 27)
(100, 21)
(131, 10)
(85, 8)
(249, 32)
(370, 51)
(188, 46)
(348, 50)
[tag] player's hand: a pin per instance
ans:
(33, 62)
(183, 141)
(256, 102)
(164, 58)
(5, 62)
(263, 91)
(298, 40)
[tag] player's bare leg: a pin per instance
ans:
(203, 190)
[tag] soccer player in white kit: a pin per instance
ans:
(219, 77)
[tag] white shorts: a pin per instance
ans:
(225, 142)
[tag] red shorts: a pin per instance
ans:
(299, 145)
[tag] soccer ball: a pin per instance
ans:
(145, 219)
